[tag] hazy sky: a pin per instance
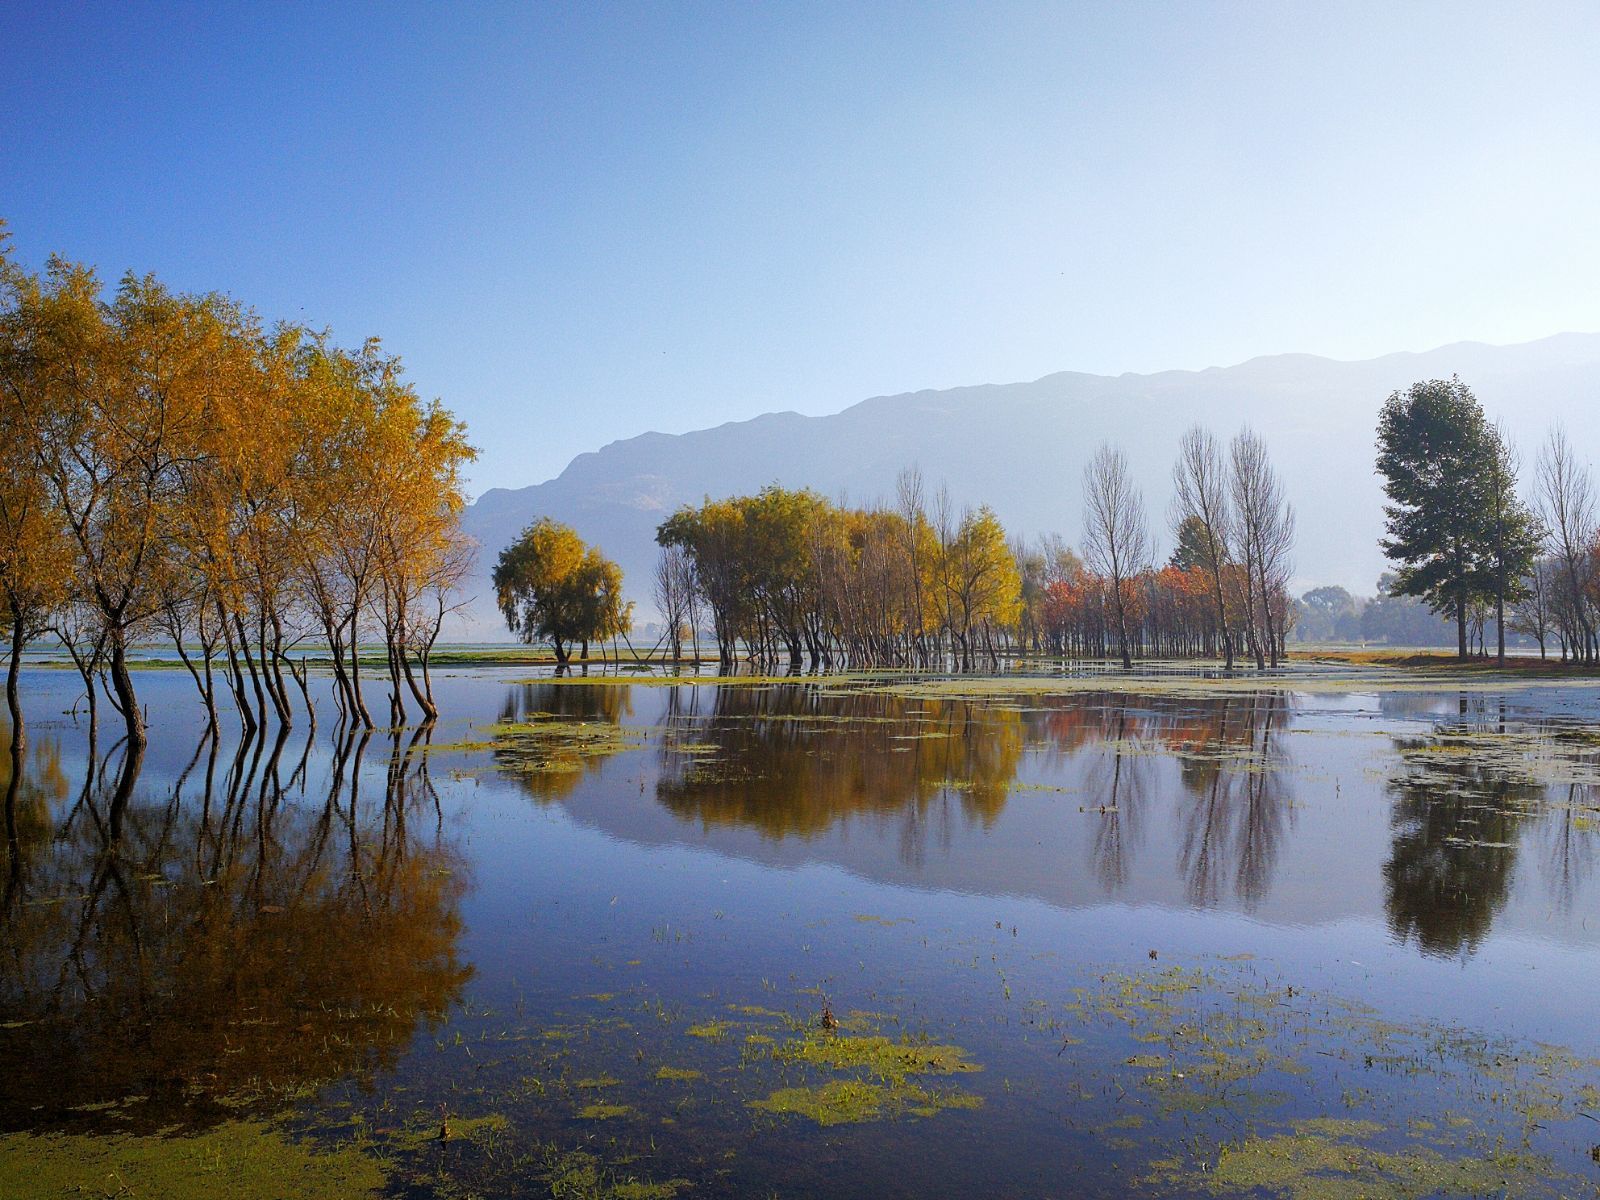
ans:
(580, 222)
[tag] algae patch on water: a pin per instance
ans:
(878, 1081)
(1222, 1053)
(876, 1055)
(852, 1101)
(546, 744)
(1328, 1159)
(677, 1074)
(243, 1160)
(604, 1112)
(580, 1175)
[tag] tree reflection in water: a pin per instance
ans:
(239, 939)
(1236, 807)
(1456, 823)
(794, 762)
(791, 762)
(566, 761)
(1239, 802)
(1454, 846)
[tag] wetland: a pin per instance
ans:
(1331, 932)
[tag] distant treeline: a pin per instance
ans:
(171, 467)
(791, 576)
(1334, 614)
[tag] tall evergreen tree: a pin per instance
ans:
(1434, 452)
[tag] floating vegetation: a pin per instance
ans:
(1541, 753)
(604, 1112)
(678, 1074)
(877, 1056)
(240, 1160)
(1331, 1159)
(580, 1175)
(878, 1083)
(854, 1101)
(1232, 1048)
(544, 743)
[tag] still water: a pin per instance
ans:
(870, 938)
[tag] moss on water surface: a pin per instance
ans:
(677, 1074)
(876, 1055)
(854, 1101)
(544, 743)
(242, 1160)
(1331, 1159)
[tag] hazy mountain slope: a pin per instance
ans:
(1021, 448)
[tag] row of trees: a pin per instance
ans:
(1468, 541)
(790, 575)
(171, 467)
(1235, 534)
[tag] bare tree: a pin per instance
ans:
(1116, 536)
(673, 593)
(1200, 495)
(1263, 537)
(1567, 506)
(914, 522)
(1531, 611)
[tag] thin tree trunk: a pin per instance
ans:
(356, 698)
(126, 700)
(19, 734)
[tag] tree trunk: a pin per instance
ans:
(356, 698)
(122, 682)
(250, 662)
(429, 712)
(19, 734)
(1500, 625)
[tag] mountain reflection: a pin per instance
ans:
(236, 938)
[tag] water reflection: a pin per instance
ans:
(1449, 872)
(1197, 783)
(1239, 802)
(1469, 797)
(792, 762)
(562, 759)
(264, 925)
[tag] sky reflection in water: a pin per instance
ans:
(335, 925)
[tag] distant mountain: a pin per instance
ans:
(1021, 448)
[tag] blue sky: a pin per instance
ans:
(579, 222)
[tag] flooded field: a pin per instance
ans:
(1161, 935)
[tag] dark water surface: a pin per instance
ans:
(848, 940)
